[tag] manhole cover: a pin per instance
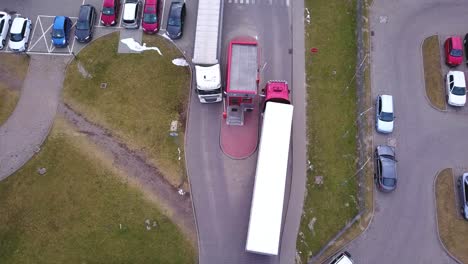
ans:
(103, 85)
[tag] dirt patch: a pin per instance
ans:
(13, 71)
(10, 80)
(433, 72)
(453, 229)
(176, 206)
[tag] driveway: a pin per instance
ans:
(404, 228)
(221, 187)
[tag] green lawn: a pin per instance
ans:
(81, 211)
(144, 93)
(13, 69)
(432, 72)
(453, 229)
(331, 113)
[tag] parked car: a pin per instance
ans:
(465, 43)
(456, 88)
(453, 51)
(385, 168)
(110, 12)
(131, 14)
(384, 117)
(175, 23)
(342, 258)
(150, 23)
(5, 22)
(463, 184)
(19, 34)
(61, 31)
(85, 24)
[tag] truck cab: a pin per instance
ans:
(276, 91)
(208, 83)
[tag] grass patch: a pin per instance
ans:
(13, 70)
(453, 230)
(331, 113)
(144, 93)
(360, 225)
(73, 213)
(433, 73)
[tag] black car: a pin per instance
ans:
(463, 185)
(385, 168)
(465, 43)
(85, 23)
(175, 23)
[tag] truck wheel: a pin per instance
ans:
(459, 182)
(3, 43)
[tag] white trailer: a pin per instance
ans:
(266, 213)
(206, 51)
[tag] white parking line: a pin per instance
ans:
(43, 34)
(74, 39)
(34, 30)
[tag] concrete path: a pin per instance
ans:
(23, 133)
(404, 226)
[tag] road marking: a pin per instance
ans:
(247, 1)
(287, 2)
(32, 36)
(74, 39)
(43, 34)
(270, 1)
(83, 2)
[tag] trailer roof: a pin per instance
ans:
(266, 212)
(242, 68)
(206, 34)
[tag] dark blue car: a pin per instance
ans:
(61, 31)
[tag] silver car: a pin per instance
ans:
(131, 14)
(385, 172)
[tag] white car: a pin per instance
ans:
(456, 88)
(19, 34)
(131, 14)
(5, 22)
(384, 117)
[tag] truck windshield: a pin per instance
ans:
(206, 92)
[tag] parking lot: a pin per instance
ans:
(42, 14)
(445, 68)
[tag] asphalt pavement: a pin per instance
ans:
(221, 187)
(404, 228)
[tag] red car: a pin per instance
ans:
(453, 51)
(150, 23)
(109, 12)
